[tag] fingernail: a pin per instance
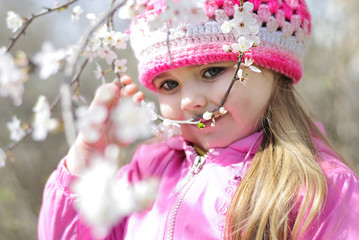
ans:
(138, 99)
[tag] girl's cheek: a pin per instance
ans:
(169, 106)
(169, 111)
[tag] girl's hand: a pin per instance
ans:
(107, 95)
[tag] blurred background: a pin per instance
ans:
(329, 85)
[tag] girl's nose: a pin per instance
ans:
(193, 98)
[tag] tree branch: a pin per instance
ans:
(53, 105)
(33, 17)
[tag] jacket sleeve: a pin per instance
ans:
(58, 220)
(340, 216)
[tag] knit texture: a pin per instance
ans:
(284, 34)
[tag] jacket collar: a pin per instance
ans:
(246, 147)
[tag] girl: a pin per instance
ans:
(264, 171)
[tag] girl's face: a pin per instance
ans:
(187, 92)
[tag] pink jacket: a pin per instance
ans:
(194, 207)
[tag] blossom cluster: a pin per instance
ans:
(104, 199)
(12, 77)
(245, 28)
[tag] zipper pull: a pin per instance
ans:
(198, 163)
(196, 167)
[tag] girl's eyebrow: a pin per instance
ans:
(161, 75)
(166, 74)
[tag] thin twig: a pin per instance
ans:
(33, 17)
(12, 145)
(110, 23)
(194, 122)
(234, 79)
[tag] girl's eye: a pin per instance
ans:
(213, 72)
(169, 85)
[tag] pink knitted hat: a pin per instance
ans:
(284, 34)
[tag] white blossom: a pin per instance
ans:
(70, 53)
(167, 129)
(99, 73)
(213, 123)
(103, 199)
(243, 22)
(16, 131)
(90, 53)
(92, 18)
(254, 39)
(226, 27)
(241, 77)
(11, 78)
(240, 73)
(106, 53)
(2, 158)
(96, 199)
(222, 110)
(244, 26)
(242, 45)
(226, 48)
(120, 65)
(248, 63)
(42, 119)
(13, 21)
(120, 40)
(131, 121)
(207, 115)
(109, 38)
(48, 60)
(76, 13)
(88, 118)
(150, 110)
(101, 31)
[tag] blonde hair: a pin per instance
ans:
(284, 173)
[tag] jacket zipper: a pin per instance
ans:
(182, 190)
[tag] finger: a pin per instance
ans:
(126, 80)
(117, 83)
(138, 96)
(130, 89)
(106, 94)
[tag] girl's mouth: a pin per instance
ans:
(210, 123)
(209, 119)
